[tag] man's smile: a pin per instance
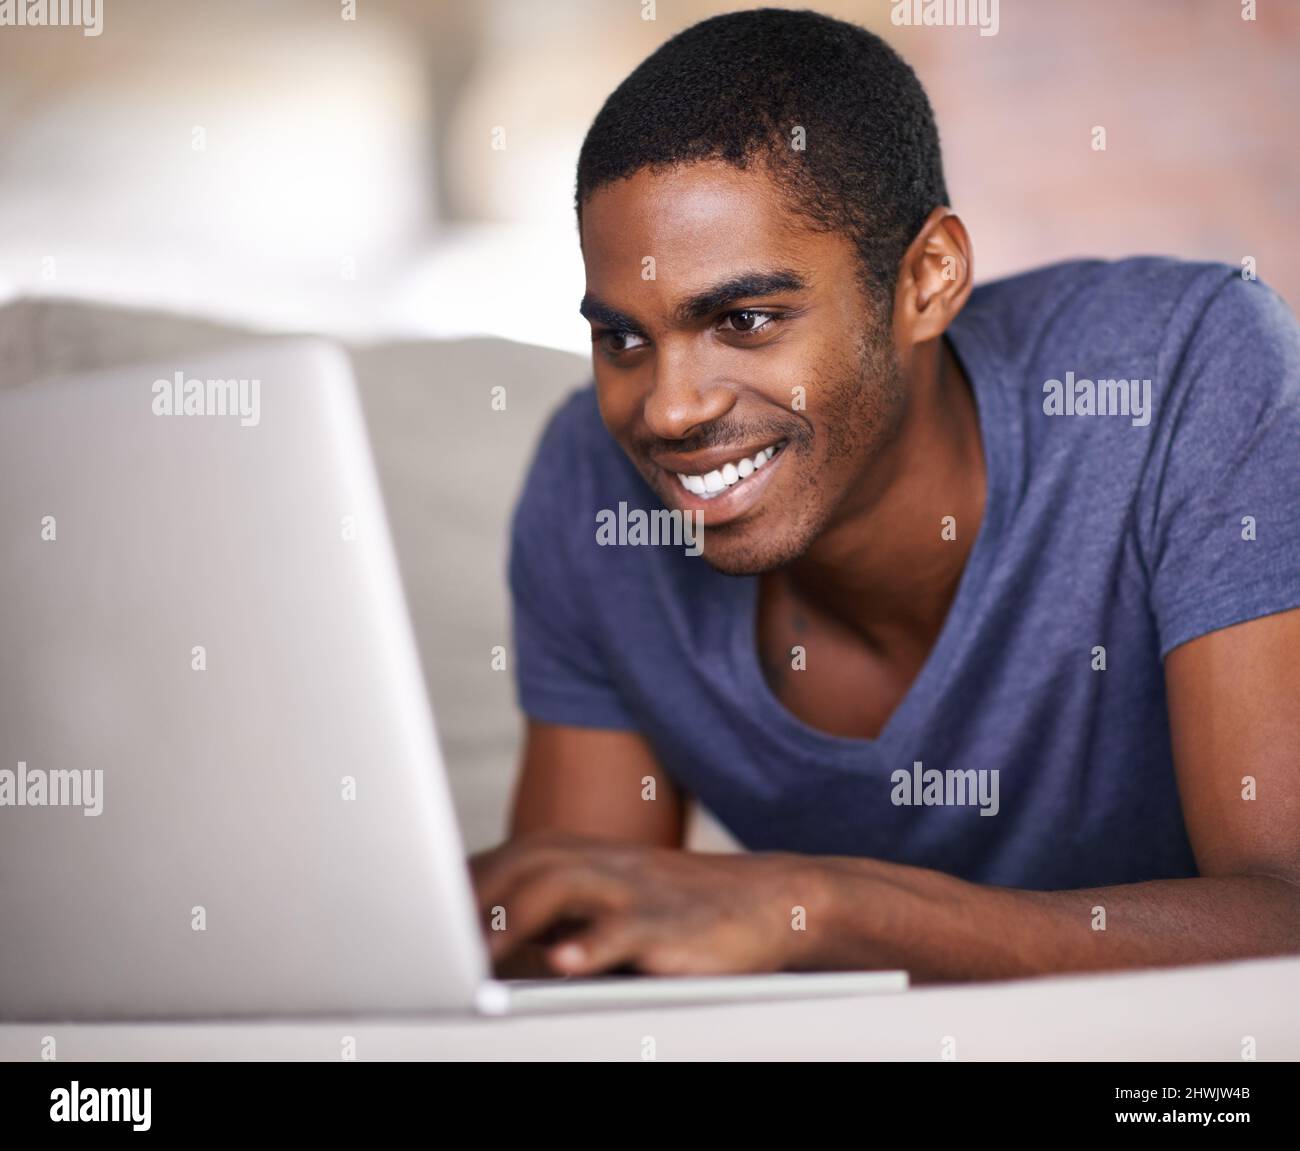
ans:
(727, 482)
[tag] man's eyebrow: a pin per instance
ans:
(597, 311)
(703, 303)
(739, 287)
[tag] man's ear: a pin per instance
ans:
(934, 279)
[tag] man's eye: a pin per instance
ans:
(748, 321)
(622, 341)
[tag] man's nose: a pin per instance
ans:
(683, 397)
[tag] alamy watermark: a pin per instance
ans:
(32, 787)
(658, 528)
(952, 788)
(182, 397)
(88, 15)
(981, 14)
(77, 1104)
(1083, 397)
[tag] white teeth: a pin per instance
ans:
(728, 475)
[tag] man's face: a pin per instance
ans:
(745, 358)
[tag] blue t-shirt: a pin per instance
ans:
(1134, 531)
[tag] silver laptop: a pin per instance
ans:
(220, 785)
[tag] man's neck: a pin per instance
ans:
(884, 570)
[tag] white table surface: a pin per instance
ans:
(1187, 1013)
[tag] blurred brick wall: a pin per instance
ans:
(1201, 111)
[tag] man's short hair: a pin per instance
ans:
(737, 88)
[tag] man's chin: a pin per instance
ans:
(750, 553)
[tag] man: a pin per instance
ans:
(992, 656)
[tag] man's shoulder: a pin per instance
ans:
(1148, 276)
(574, 438)
(1132, 306)
(1186, 325)
(575, 464)
(573, 420)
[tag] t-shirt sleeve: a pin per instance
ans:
(1221, 531)
(560, 668)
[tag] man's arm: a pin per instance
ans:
(1233, 709)
(940, 928)
(593, 783)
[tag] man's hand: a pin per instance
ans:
(594, 906)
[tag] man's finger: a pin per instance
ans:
(612, 941)
(540, 901)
